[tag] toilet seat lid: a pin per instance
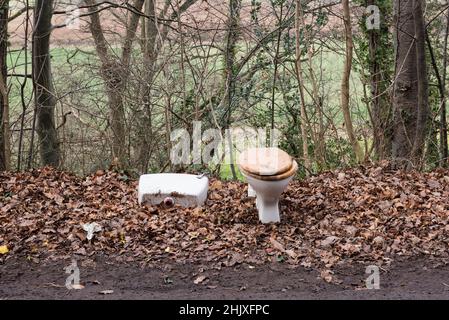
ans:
(265, 161)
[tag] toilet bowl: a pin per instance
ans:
(268, 172)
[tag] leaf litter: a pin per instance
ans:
(364, 214)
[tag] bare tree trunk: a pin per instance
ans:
(4, 103)
(155, 37)
(380, 105)
(444, 154)
(303, 122)
(375, 80)
(318, 135)
(22, 96)
(115, 75)
(320, 153)
(232, 35)
(345, 81)
(379, 140)
(441, 90)
(150, 54)
(410, 97)
(43, 83)
(421, 70)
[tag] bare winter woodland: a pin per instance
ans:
(92, 83)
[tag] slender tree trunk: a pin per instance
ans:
(231, 41)
(345, 82)
(375, 81)
(115, 74)
(43, 84)
(156, 33)
(410, 96)
(444, 154)
(421, 70)
(150, 55)
(275, 75)
(4, 103)
(22, 97)
(319, 139)
(380, 104)
(111, 74)
(320, 153)
(303, 122)
(374, 64)
(441, 90)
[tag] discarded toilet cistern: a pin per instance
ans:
(268, 172)
(186, 190)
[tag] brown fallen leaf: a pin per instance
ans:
(277, 245)
(291, 254)
(326, 275)
(26, 223)
(216, 185)
(329, 241)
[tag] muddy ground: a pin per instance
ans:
(415, 278)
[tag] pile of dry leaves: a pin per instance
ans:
(362, 214)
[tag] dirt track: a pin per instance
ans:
(418, 278)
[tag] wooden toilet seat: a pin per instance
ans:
(282, 176)
(269, 164)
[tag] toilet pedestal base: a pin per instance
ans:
(268, 194)
(268, 211)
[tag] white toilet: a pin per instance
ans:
(268, 172)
